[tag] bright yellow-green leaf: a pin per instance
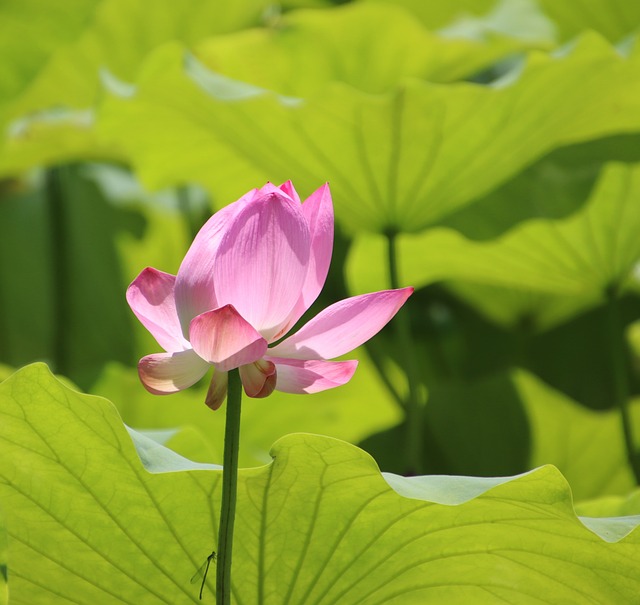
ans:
(614, 19)
(548, 268)
(51, 103)
(370, 47)
(586, 445)
(88, 522)
(400, 161)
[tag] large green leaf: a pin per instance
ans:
(612, 18)
(29, 32)
(87, 522)
(370, 47)
(401, 160)
(543, 269)
(118, 38)
(615, 19)
(53, 107)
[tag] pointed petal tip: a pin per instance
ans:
(343, 326)
(288, 188)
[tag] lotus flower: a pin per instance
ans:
(254, 268)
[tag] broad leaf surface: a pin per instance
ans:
(370, 47)
(64, 59)
(615, 19)
(319, 524)
(547, 269)
(401, 160)
(30, 32)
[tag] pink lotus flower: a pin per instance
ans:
(252, 271)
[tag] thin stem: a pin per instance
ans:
(377, 361)
(55, 198)
(617, 348)
(414, 407)
(229, 489)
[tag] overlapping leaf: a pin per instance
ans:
(370, 47)
(549, 268)
(73, 51)
(318, 525)
(397, 161)
(615, 19)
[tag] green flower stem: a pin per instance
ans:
(414, 407)
(617, 348)
(229, 489)
(54, 184)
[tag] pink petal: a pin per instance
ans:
(343, 326)
(217, 389)
(290, 190)
(261, 260)
(258, 378)
(311, 376)
(164, 373)
(195, 291)
(224, 338)
(318, 211)
(150, 297)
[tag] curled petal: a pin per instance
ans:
(164, 373)
(151, 298)
(261, 260)
(318, 212)
(258, 378)
(311, 376)
(225, 339)
(195, 291)
(217, 389)
(343, 326)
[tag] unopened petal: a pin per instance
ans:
(318, 212)
(222, 337)
(311, 376)
(195, 290)
(151, 298)
(258, 378)
(290, 190)
(261, 260)
(164, 373)
(217, 391)
(343, 326)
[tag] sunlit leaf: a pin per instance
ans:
(71, 53)
(549, 268)
(615, 19)
(29, 32)
(401, 161)
(370, 47)
(89, 523)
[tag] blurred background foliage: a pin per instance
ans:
(496, 144)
